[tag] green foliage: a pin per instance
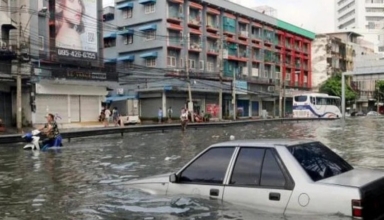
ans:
(332, 86)
(379, 90)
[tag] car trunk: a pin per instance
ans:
(372, 199)
(371, 187)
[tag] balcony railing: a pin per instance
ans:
(194, 20)
(195, 45)
(212, 50)
(176, 42)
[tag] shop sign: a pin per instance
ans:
(86, 75)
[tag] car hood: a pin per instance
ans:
(163, 178)
(356, 178)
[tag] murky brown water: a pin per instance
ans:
(86, 179)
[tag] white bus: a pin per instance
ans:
(316, 105)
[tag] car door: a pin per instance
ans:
(259, 180)
(205, 175)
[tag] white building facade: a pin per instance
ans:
(365, 17)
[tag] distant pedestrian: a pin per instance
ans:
(115, 116)
(184, 119)
(160, 115)
(107, 114)
(170, 111)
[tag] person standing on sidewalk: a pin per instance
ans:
(170, 111)
(115, 116)
(107, 117)
(184, 119)
(160, 115)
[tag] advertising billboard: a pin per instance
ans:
(76, 27)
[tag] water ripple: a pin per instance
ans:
(87, 179)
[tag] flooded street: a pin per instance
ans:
(86, 180)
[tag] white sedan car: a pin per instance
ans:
(279, 176)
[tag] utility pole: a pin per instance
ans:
(190, 102)
(280, 95)
(18, 76)
(221, 78)
(234, 94)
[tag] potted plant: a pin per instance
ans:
(207, 117)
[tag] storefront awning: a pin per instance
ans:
(126, 58)
(110, 35)
(149, 55)
(148, 27)
(119, 98)
(143, 2)
(126, 32)
(123, 6)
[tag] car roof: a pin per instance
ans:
(271, 143)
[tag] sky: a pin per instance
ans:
(313, 15)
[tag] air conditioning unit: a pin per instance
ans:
(271, 88)
(120, 91)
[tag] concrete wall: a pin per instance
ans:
(319, 62)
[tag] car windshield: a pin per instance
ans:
(319, 161)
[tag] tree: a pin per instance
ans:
(379, 90)
(332, 86)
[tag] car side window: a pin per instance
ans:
(271, 175)
(246, 171)
(209, 168)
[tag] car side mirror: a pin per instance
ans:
(173, 178)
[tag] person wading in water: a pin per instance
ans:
(184, 119)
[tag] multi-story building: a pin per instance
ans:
(334, 53)
(62, 73)
(362, 16)
(158, 38)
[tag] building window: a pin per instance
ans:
(171, 61)
(41, 43)
(128, 39)
(191, 64)
(149, 35)
(181, 63)
(109, 43)
(210, 67)
(127, 13)
(149, 8)
(150, 62)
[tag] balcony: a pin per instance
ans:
(243, 54)
(194, 19)
(195, 46)
(175, 42)
(7, 52)
(211, 23)
(212, 50)
(175, 13)
(257, 57)
(244, 34)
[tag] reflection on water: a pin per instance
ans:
(86, 179)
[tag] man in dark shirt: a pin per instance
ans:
(51, 130)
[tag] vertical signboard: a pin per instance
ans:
(76, 27)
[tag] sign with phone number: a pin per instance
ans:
(76, 54)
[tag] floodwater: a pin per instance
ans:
(86, 179)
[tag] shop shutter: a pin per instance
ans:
(150, 107)
(75, 108)
(89, 108)
(6, 108)
(54, 104)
